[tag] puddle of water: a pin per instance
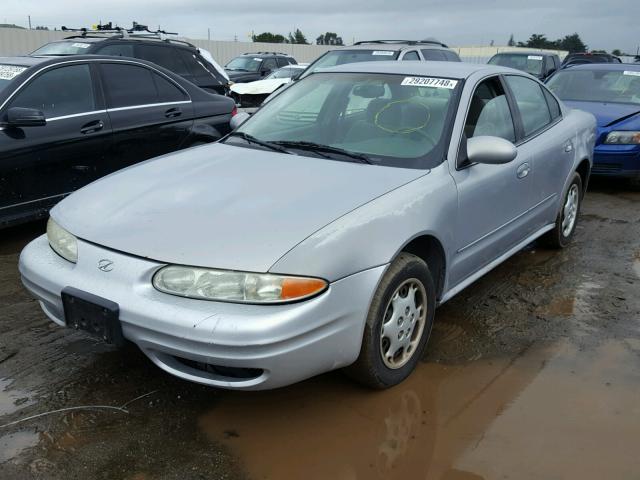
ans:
(12, 444)
(12, 400)
(549, 413)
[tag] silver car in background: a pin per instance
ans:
(324, 231)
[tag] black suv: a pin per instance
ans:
(250, 67)
(538, 64)
(177, 56)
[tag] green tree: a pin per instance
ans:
(298, 37)
(573, 43)
(538, 40)
(269, 37)
(511, 42)
(329, 38)
(616, 52)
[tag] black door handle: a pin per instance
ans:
(173, 112)
(92, 127)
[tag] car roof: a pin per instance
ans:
(23, 61)
(606, 66)
(526, 52)
(373, 45)
(266, 54)
(458, 70)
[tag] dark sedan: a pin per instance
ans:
(65, 122)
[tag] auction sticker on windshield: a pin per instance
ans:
(383, 52)
(81, 45)
(631, 72)
(430, 82)
(534, 57)
(9, 72)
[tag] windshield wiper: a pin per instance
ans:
(318, 148)
(251, 139)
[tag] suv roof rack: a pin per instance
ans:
(407, 42)
(137, 31)
(266, 53)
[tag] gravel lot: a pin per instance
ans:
(532, 372)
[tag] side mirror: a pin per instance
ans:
(238, 119)
(490, 150)
(25, 117)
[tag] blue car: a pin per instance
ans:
(611, 92)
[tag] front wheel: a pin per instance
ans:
(398, 325)
(567, 218)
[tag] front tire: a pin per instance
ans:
(567, 218)
(398, 325)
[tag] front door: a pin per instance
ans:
(40, 165)
(492, 199)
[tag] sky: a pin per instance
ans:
(607, 25)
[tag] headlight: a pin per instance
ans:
(621, 137)
(230, 286)
(62, 242)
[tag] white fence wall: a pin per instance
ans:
(14, 41)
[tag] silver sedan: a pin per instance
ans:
(325, 230)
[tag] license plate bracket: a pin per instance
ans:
(93, 314)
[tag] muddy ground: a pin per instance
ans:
(533, 372)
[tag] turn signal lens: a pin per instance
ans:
(230, 286)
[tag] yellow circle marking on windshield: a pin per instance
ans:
(376, 118)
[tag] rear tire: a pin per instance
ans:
(398, 325)
(567, 218)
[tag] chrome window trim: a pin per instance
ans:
(87, 60)
(64, 117)
(147, 105)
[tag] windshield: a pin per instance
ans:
(340, 57)
(615, 86)
(63, 48)
(527, 63)
(247, 64)
(392, 120)
(8, 73)
(284, 73)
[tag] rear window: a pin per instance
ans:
(8, 73)
(70, 47)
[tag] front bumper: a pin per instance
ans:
(617, 161)
(210, 342)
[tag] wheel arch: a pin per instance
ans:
(584, 170)
(430, 249)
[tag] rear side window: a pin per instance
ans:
(451, 56)
(166, 57)
(282, 62)
(433, 54)
(531, 103)
(412, 55)
(59, 92)
(117, 50)
(554, 107)
(269, 64)
(130, 85)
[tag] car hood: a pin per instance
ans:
(222, 206)
(606, 113)
(259, 87)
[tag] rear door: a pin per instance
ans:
(492, 199)
(539, 113)
(150, 114)
(42, 164)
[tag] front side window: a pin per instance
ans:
(269, 64)
(393, 120)
(340, 57)
(117, 50)
(489, 112)
(59, 92)
(531, 102)
(596, 85)
(166, 57)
